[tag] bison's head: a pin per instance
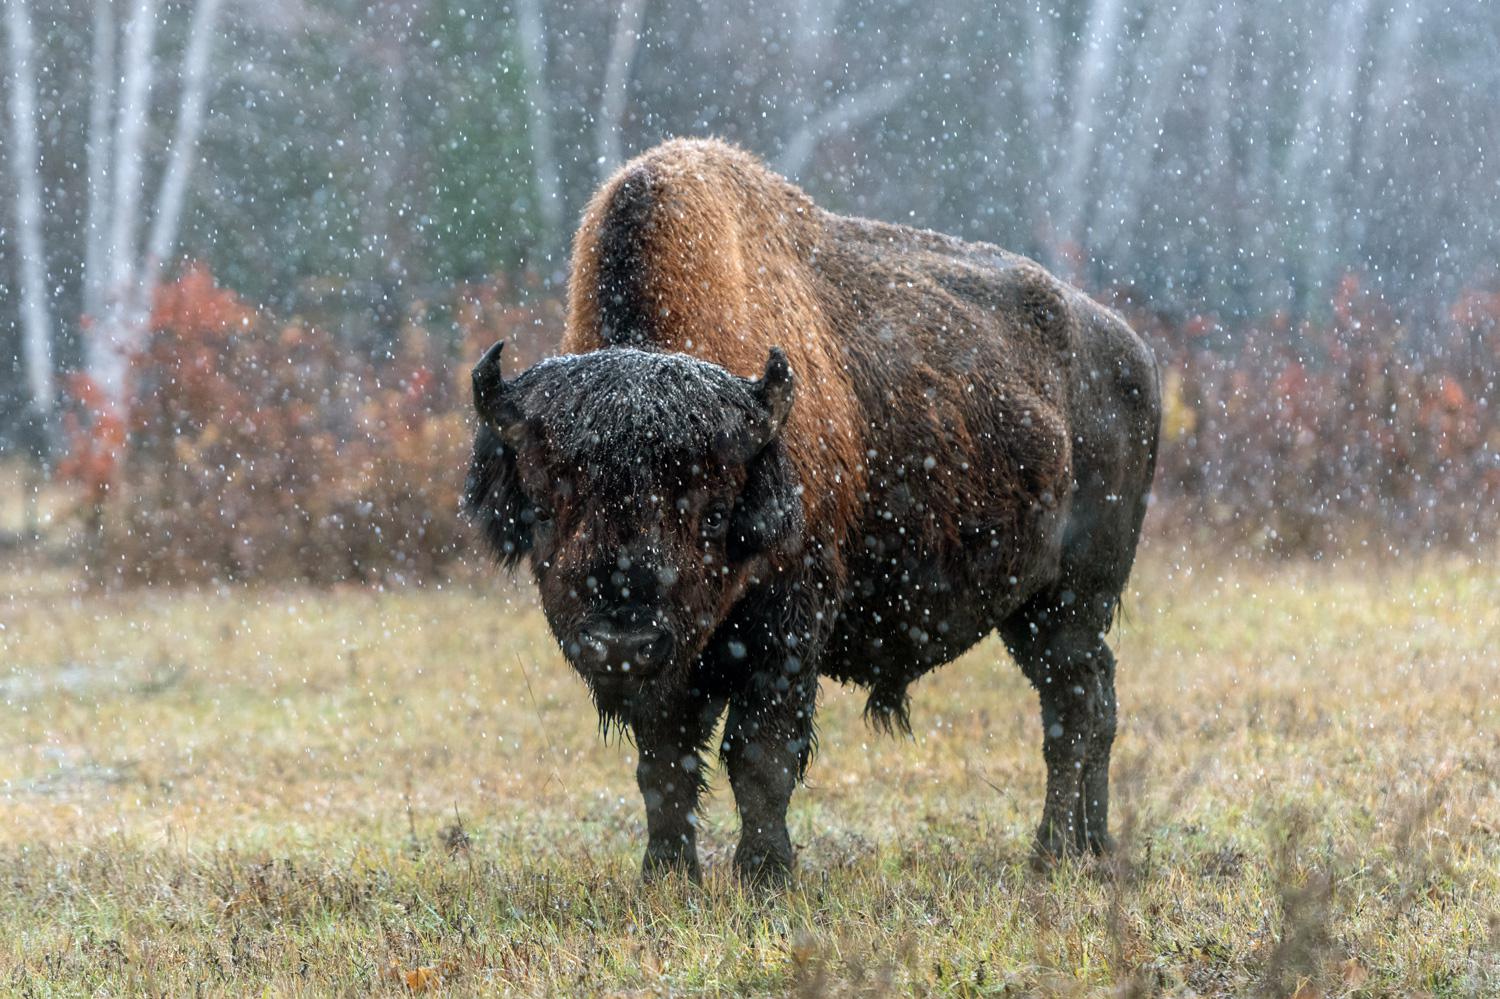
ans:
(646, 489)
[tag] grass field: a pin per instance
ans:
(295, 792)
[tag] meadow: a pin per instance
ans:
(289, 791)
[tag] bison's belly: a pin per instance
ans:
(905, 614)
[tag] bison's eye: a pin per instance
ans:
(540, 513)
(715, 522)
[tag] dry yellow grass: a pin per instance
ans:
(301, 792)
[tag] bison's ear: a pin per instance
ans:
(495, 401)
(773, 390)
(493, 498)
(768, 513)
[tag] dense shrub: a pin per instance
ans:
(258, 450)
(1328, 437)
(265, 451)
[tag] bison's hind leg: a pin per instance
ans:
(1065, 657)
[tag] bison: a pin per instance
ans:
(782, 444)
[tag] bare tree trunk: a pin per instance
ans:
(1039, 86)
(533, 43)
(174, 182)
(1093, 72)
(101, 110)
(383, 241)
(36, 312)
(1392, 77)
(1139, 156)
(622, 46)
(108, 349)
(813, 26)
(1320, 150)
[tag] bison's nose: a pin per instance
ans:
(627, 650)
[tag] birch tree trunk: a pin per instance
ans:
(1392, 78)
(1039, 90)
(1146, 129)
(174, 182)
(121, 275)
(848, 112)
(612, 97)
(101, 115)
(533, 43)
(36, 312)
(108, 347)
(1094, 70)
(1322, 148)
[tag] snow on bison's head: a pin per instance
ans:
(648, 490)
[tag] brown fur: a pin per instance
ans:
(969, 449)
(722, 262)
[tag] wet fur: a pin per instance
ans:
(970, 449)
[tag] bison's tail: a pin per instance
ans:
(889, 710)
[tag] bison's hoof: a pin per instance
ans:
(1054, 844)
(661, 864)
(764, 868)
(1057, 843)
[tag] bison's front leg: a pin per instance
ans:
(767, 739)
(669, 773)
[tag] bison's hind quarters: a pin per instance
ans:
(1058, 636)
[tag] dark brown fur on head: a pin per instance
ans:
(648, 489)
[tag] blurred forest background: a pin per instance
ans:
(248, 250)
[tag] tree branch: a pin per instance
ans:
(851, 110)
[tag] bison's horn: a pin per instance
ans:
(773, 390)
(493, 400)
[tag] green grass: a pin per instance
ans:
(298, 792)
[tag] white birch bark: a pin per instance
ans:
(814, 23)
(1392, 77)
(174, 182)
(1039, 88)
(533, 45)
(849, 112)
(108, 347)
(36, 312)
(1094, 70)
(1323, 157)
(613, 94)
(101, 120)
(1139, 155)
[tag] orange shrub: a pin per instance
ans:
(265, 452)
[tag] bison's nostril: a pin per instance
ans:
(652, 650)
(643, 649)
(625, 650)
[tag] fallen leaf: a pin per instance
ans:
(424, 979)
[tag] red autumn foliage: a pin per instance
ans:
(260, 451)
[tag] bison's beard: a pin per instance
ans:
(634, 703)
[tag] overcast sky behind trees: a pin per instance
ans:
(1218, 157)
